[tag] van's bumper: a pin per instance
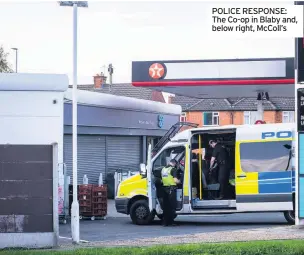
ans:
(121, 205)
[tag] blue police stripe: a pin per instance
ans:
(301, 154)
(301, 197)
(293, 181)
(275, 182)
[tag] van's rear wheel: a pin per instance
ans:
(140, 213)
(290, 217)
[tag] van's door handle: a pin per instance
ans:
(242, 176)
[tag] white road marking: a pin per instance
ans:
(69, 238)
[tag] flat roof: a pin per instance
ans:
(119, 102)
(219, 78)
(33, 82)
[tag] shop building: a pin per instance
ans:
(113, 132)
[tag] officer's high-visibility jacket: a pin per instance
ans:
(167, 178)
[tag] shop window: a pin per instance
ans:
(266, 156)
(288, 117)
(211, 118)
(183, 117)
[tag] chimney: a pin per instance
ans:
(99, 80)
(170, 99)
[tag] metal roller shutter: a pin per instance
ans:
(124, 153)
(91, 156)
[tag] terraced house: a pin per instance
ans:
(237, 111)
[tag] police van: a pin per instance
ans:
(262, 174)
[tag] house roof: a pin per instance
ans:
(232, 104)
(126, 90)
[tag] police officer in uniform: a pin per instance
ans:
(170, 182)
(220, 155)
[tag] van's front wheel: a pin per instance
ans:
(140, 213)
(290, 217)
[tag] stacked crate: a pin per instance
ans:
(99, 201)
(85, 199)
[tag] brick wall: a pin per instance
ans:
(270, 117)
(195, 117)
(237, 117)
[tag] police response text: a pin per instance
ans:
(250, 11)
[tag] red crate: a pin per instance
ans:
(85, 203)
(99, 206)
(85, 197)
(99, 200)
(85, 209)
(100, 212)
(85, 189)
(99, 194)
(100, 188)
(85, 192)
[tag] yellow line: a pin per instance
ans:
(200, 165)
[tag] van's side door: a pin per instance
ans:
(263, 174)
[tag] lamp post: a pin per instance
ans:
(75, 204)
(16, 53)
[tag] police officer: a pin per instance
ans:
(220, 155)
(170, 181)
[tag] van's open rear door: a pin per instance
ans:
(171, 133)
(151, 186)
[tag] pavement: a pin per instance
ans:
(118, 230)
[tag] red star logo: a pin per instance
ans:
(156, 71)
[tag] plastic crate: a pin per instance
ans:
(100, 212)
(85, 189)
(99, 188)
(86, 203)
(85, 197)
(85, 209)
(99, 199)
(99, 194)
(99, 206)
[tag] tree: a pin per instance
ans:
(4, 65)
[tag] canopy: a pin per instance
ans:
(217, 78)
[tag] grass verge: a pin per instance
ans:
(290, 247)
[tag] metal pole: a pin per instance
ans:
(296, 156)
(16, 60)
(75, 204)
(260, 110)
(200, 166)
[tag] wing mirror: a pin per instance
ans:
(143, 169)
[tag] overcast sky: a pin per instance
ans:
(119, 32)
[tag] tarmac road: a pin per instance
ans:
(121, 228)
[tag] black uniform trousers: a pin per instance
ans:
(223, 177)
(169, 204)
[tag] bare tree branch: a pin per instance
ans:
(4, 65)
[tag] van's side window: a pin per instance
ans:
(266, 156)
